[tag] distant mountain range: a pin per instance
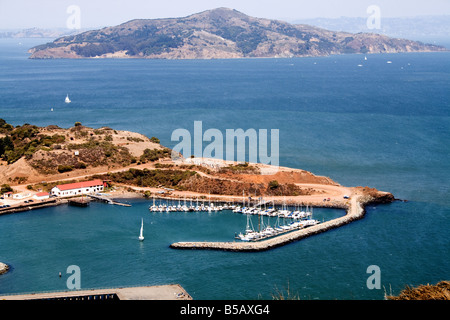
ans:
(39, 33)
(215, 34)
(420, 27)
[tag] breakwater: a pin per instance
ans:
(355, 211)
(76, 200)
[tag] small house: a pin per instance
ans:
(41, 196)
(8, 195)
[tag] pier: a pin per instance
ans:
(164, 292)
(355, 211)
(31, 206)
(108, 200)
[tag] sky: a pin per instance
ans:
(18, 14)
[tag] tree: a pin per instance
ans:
(6, 144)
(5, 188)
(273, 184)
(155, 140)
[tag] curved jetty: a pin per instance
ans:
(355, 211)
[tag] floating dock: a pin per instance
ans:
(109, 201)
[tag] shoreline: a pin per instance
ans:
(354, 206)
(21, 207)
(325, 194)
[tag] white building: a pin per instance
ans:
(21, 195)
(41, 196)
(79, 188)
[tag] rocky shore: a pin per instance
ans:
(3, 268)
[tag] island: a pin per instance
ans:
(220, 33)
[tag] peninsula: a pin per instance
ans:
(36, 159)
(220, 33)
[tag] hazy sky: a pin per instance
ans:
(98, 13)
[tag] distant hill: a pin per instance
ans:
(215, 34)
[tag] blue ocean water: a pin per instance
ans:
(383, 125)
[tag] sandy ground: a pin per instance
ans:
(333, 196)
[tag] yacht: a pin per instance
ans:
(237, 209)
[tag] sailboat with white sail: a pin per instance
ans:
(67, 99)
(141, 234)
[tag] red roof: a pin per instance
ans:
(41, 194)
(77, 185)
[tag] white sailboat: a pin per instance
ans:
(141, 234)
(67, 99)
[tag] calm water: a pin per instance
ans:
(381, 125)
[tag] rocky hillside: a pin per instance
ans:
(29, 153)
(215, 34)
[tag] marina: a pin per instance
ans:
(355, 211)
(297, 217)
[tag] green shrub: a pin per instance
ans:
(154, 139)
(5, 188)
(155, 154)
(151, 178)
(64, 168)
(273, 184)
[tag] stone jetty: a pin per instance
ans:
(20, 207)
(355, 211)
